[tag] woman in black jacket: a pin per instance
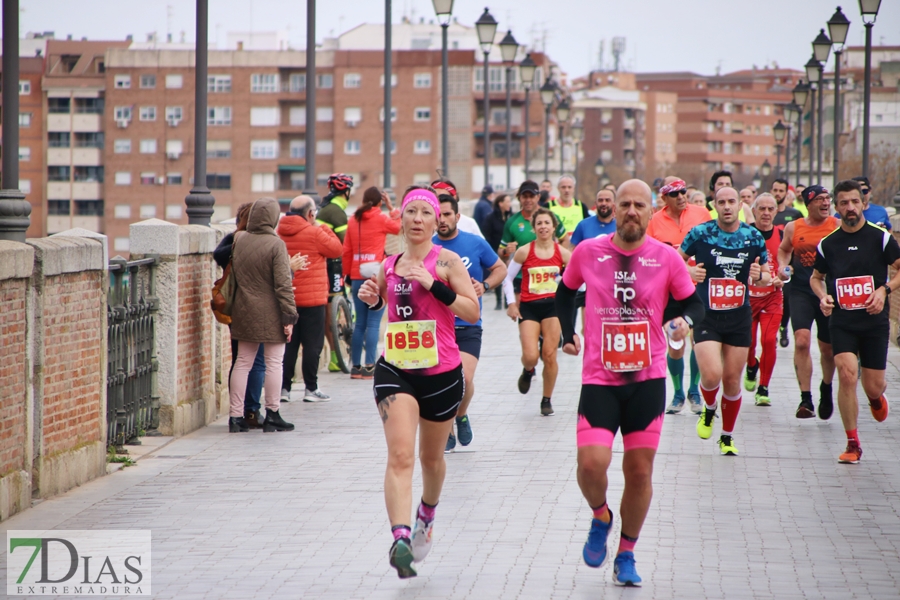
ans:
(493, 231)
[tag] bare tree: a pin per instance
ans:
(884, 170)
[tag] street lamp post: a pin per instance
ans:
(548, 91)
(577, 130)
(868, 8)
(790, 114)
(388, 96)
(14, 209)
(800, 94)
(821, 50)
(309, 161)
(199, 200)
(814, 73)
(508, 49)
(486, 27)
(779, 130)
(527, 69)
(444, 9)
(838, 26)
(562, 115)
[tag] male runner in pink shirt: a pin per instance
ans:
(629, 278)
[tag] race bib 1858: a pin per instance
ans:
(852, 292)
(411, 344)
(625, 346)
(725, 293)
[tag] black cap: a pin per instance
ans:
(809, 194)
(487, 190)
(863, 181)
(530, 187)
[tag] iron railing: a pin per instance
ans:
(132, 405)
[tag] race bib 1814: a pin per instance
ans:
(625, 346)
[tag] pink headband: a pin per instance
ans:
(675, 186)
(424, 196)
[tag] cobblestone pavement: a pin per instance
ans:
(301, 514)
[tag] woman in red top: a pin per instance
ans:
(363, 252)
(541, 262)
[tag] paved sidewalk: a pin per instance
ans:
(301, 515)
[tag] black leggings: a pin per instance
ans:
(786, 315)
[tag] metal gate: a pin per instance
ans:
(132, 403)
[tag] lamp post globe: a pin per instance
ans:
(527, 70)
(757, 181)
(577, 132)
(790, 112)
(486, 27)
(779, 130)
(800, 94)
(812, 69)
(599, 168)
(869, 8)
(838, 25)
(562, 111)
(821, 47)
(508, 47)
(766, 169)
(443, 9)
(548, 91)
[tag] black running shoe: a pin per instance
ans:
(546, 407)
(806, 410)
(826, 401)
(784, 341)
(525, 381)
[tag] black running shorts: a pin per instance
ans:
(635, 408)
(438, 395)
(469, 340)
(538, 310)
(871, 344)
(804, 310)
(731, 328)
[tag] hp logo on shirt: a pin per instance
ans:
(627, 293)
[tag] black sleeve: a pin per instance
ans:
(691, 309)
(222, 253)
(584, 211)
(565, 311)
(820, 265)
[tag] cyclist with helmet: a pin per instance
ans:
(333, 214)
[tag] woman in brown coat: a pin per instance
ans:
(263, 312)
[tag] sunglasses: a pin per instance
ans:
(676, 193)
(866, 191)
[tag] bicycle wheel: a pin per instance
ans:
(341, 330)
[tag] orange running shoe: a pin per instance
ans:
(879, 408)
(852, 454)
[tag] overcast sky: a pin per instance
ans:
(661, 35)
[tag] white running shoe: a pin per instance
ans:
(285, 395)
(316, 396)
(421, 539)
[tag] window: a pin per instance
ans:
(218, 149)
(766, 110)
(148, 113)
(122, 82)
(393, 114)
(59, 106)
(89, 208)
(262, 182)
(767, 130)
(123, 178)
(264, 116)
(297, 82)
(218, 84)
(148, 147)
(89, 106)
(89, 139)
(422, 80)
(148, 81)
(174, 82)
(122, 211)
(298, 181)
(148, 211)
(324, 147)
(324, 81)
(606, 115)
(352, 80)
(322, 179)
(123, 113)
(58, 139)
(59, 207)
(25, 186)
(352, 116)
(264, 83)
(218, 181)
(24, 119)
(173, 212)
(727, 127)
(422, 147)
(325, 114)
(88, 174)
(148, 178)
(174, 114)
(263, 149)
(298, 149)
(393, 147)
(499, 149)
(122, 244)
(174, 148)
(24, 88)
(218, 115)
(173, 178)
(606, 155)
(297, 116)
(606, 134)
(58, 174)
(122, 146)
(393, 80)
(24, 153)
(422, 113)
(352, 147)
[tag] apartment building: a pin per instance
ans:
(614, 121)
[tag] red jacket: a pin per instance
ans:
(317, 243)
(364, 241)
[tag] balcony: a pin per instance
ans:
(59, 190)
(57, 223)
(628, 123)
(59, 157)
(59, 122)
(87, 190)
(87, 157)
(87, 123)
(628, 144)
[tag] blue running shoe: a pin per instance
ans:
(595, 551)
(464, 430)
(624, 572)
(451, 443)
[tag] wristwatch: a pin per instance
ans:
(487, 286)
(887, 290)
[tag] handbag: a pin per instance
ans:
(223, 292)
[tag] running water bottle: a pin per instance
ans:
(787, 271)
(676, 345)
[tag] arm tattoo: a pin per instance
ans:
(446, 263)
(383, 406)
